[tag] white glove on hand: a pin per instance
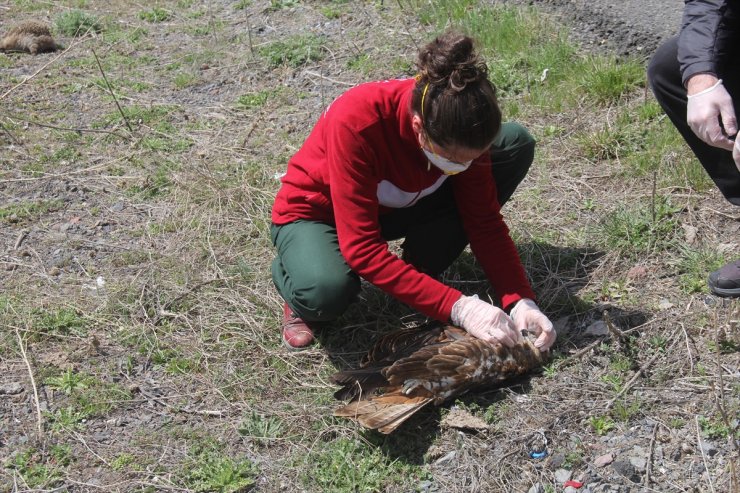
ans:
(736, 152)
(484, 321)
(528, 317)
(705, 110)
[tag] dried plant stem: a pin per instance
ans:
(110, 89)
(67, 129)
(703, 455)
(39, 420)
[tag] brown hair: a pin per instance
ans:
(460, 106)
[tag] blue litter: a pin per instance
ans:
(538, 455)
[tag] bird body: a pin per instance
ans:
(418, 366)
(30, 36)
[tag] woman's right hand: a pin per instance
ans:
(484, 321)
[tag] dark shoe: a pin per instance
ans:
(726, 281)
(297, 334)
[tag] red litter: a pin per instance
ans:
(573, 483)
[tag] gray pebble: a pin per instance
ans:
(562, 475)
(538, 488)
(11, 388)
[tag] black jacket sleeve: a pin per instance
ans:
(700, 34)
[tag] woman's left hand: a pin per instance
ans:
(527, 316)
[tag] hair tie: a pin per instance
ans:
(423, 95)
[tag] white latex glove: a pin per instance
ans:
(528, 317)
(706, 109)
(736, 152)
(484, 321)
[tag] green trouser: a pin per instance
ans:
(311, 274)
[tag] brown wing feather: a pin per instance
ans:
(417, 367)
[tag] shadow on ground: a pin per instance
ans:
(557, 275)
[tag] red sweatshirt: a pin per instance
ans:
(362, 159)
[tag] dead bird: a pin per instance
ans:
(410, 368)
(29, 36)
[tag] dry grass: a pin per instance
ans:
(185, 384)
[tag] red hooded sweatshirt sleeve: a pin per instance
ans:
(363, 158)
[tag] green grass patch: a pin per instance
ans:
(26, 211)
(183, 80)
(77, 23)
(39, 470)
(349, 465)
(155, 15)
(61, 322)
(694, 266)
(208, 469)
(138, 115)
(261, 428)
(640, 228)
(294, 51)
(256, 99)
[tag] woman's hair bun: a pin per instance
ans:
(450, 61)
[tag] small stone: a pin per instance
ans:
(637, 272)
(570, 489)
(689, 233)
(117, 207)
(447, 457)
(665, 304)
(556, 460)
(562, 475)
(626, 469)
(640, 463)
(54, 271)
(538, 488)
(11, 388)
(604, 460)
(709, 449)
(598, 328)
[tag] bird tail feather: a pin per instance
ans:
(384, 413)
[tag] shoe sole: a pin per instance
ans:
(296, 348)
(725, 293)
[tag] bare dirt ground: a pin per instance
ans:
(629, 27)
(139, 346)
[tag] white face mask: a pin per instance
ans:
(448, 167)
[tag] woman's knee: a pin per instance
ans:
(325, 298)
(515, 135)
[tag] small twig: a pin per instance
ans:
(12, 137)
(39, 419)
(249, 36)
(110, 89)
(19, 240)
(649, 468)
(614, 331)
(66, 129)
(204, 412)
(632, 381)
(703, 455)
(321, 76)
(688, 349)
(564, 362)
(721, 398)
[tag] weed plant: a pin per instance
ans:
(170, 374)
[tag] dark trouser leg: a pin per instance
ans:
(664, 76)
(309, 271)
(433, 231)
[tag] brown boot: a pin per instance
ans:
(297, 334)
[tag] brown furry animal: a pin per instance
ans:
(411, 368)
(29, 36)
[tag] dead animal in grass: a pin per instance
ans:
(29, 36)
(410, 368)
